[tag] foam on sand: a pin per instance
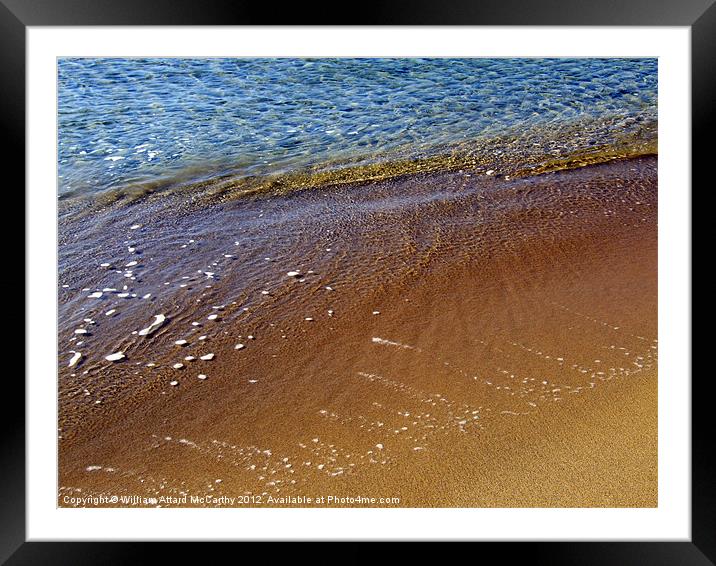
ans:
(158, 321)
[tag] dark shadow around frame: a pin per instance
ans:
(16, 15)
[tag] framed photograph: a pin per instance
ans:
(421, 276)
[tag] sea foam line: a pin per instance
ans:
(385, 342)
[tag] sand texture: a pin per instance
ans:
(447, 338)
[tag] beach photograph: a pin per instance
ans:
(357, 282)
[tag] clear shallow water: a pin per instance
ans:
(124, 121)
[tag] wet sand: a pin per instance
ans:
(449, 339)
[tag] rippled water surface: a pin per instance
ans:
(133, 120)
(301, 277)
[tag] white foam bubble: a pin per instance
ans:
(158, 321)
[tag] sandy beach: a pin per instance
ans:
(433, 339)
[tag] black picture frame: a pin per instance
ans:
(699, 15)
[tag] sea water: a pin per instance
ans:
(124, 121)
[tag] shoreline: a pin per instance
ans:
(450, 327)
(511, 154)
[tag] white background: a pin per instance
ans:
(671, 520)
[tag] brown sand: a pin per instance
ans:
(511, 363)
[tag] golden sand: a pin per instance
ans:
(451, 340)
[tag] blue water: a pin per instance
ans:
(131, 120)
